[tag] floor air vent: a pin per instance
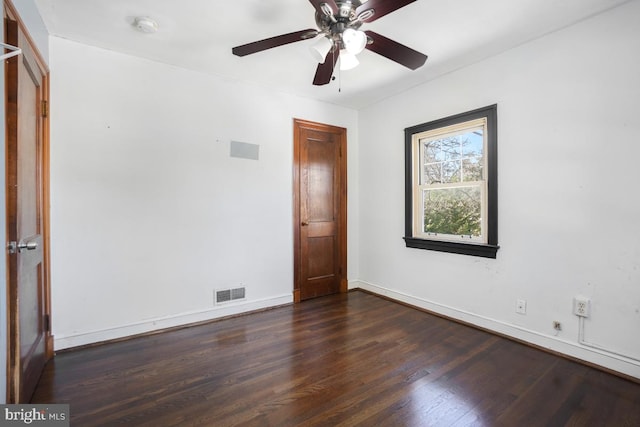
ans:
(228, 295)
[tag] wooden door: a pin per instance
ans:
(320, 210)
(30, 342)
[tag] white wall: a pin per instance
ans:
(569, 208)
(149, 212)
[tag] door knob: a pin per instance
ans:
(304, 223)
(30, 246)
(15, 247)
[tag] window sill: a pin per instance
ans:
(473, 249)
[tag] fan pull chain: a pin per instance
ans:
(339, 74)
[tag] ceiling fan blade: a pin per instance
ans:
(259, 46)
(325, 70)
(317, 4)
(395, 51)
(381, 8)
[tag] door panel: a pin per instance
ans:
(29, 338)
(320, 210)
(320, 265)
(319, 153)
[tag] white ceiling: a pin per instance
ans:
(199, 35)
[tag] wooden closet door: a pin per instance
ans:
(320, 219)
(30, 342)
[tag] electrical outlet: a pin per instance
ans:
(581, 306)
(557, 325)
(521, 306)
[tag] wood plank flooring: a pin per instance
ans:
(351, 360)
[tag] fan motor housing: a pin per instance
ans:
(345, 18)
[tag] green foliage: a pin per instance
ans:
(454, 211)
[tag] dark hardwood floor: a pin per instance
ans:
(350, 359)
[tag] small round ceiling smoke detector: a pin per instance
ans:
(145, 25)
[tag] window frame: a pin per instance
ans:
(474, 248)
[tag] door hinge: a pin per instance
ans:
(45, 108)
(47, 323)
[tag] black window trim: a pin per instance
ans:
(489, 249)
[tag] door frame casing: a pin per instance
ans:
(14, 374)
(298, 125)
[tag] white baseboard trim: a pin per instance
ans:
(569, 348)
(62, 342)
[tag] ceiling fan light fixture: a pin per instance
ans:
(348, 60)
(320, 49)
(354, 40)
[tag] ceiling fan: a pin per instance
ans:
(339, 23)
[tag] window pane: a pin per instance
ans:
(432, 152)
(472, 169)
(432, 173)
(456, 211)
(455, 158)
(451, 171)
(450, 147)
(472, 155)
(473, 143)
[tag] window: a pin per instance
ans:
(451, 184)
